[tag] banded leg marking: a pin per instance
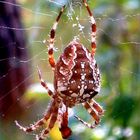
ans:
(96, 106)
(43, 83)
(39, 123)
(52, 121)
(64, 129)
(52, 37)
(93, 27)
(94, 115)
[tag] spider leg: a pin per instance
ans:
(93, 113)
(96, 106)
(52, 37)
(39, 123)
(93, 27)
(43, 83)
(52, 121)
(63, 120)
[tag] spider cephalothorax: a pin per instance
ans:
(76, 80)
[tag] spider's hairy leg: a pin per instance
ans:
(93, 113)
(63, 120)
(39, 123)
(52, 121)
(93, 27)
(43, 83)
(52, 37)
(96, 106)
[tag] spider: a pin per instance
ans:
(76, 81)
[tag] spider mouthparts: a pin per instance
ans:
(65, 131)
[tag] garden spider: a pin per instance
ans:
(76, 80)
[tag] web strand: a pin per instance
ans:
(99, 19)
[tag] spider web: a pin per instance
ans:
(78, 21)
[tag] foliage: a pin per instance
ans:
(118, 56)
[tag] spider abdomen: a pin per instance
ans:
(77, 77)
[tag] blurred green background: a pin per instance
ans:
(118, 56)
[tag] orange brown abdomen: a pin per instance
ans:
(77, 77)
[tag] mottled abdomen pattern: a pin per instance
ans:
(77, 77)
